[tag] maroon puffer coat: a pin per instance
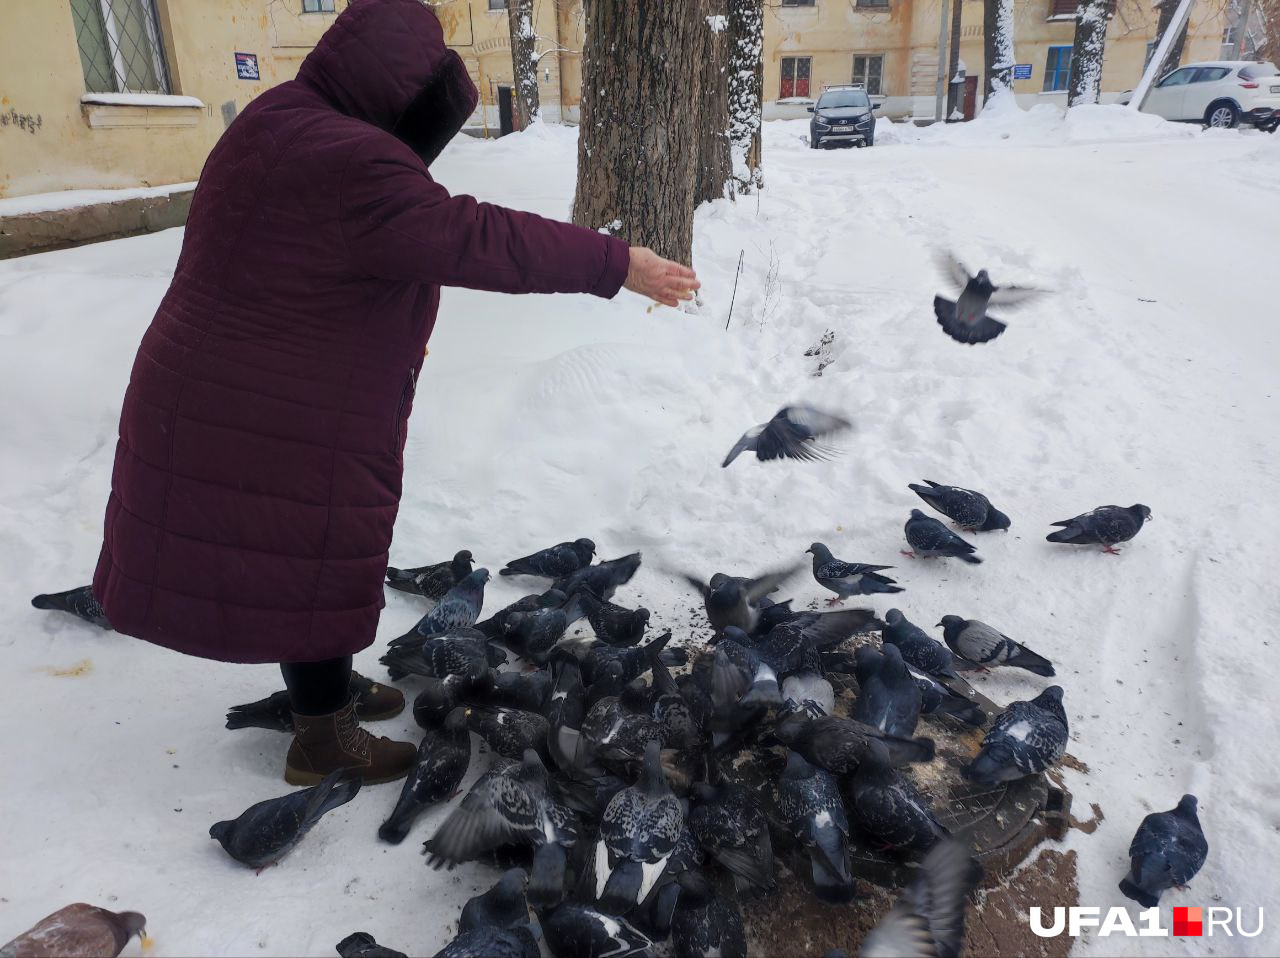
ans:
(259, 466)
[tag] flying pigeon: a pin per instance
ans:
(492, 943)
(432, 581)
(930, 539)
(264, 833)
(735, 600)
(970, 510)
(1104, 526)
(848, 578)
(918, 649)
(78, 931)
(78, 602)
(965, 319)
(443, 758)
(888, 807)
(580, 931)
(601, 579)
(361, 944)
(458, 609)
(1026, 738)
(729, 823)
(927, 921)
(982, 646)
(1167, 851)
(810, 807)
(791, 434)
(502, 906)
(839, 744)
(555, 561)
(888, 698)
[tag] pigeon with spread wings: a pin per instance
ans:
(791, 434)
(965, 318)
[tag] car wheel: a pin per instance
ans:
(813, 144)
(1223, 115)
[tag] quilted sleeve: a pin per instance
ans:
(398, 223)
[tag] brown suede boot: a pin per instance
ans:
(375, 702)
(324, 743)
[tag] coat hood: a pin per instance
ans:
(385, 62)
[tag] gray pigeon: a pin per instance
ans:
(432, 581)
(889, 808)
(965, 319)
(930, 539)
(460, 607)
(638, 833)
(729, 823)
(938, 699)
(532, 635)
(1104, 526)
(970, 510)
(1168, 850)
(919, 649)
(888, 698)
(846, 579)
(555, 561)
(705, 924)
(839, 744)
(495, 626)
(579, 931)
(361, 944)
(793, 433)
(613, 624)
(982, 646)
(1025, 739)
(441, 764)
(927, 921)
(502, 906)
(734, 600)
(264, 833)
(492, 943)
(810, 807)
(602, 579)
(78, 602)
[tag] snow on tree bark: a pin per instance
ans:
(746, 88)
(524, 60)
(636, 141)
(997, 18)
(714, 170)
(1087, 51)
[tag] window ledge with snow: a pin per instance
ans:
(142, 99)
(146, 110)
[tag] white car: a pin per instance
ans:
(1224, 93)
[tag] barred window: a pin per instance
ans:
(317, 6)
(868, 72)
(121, 50)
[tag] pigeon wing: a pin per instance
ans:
(951, 269)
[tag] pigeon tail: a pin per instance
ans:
(1032, 662)
(401, 579)
(79, 602)
(764, 690)
(971, 559)
(904, 751)
(547, 877)
(1135, 892)
(983, 331)
(987, 769)
(1071, 534)
(396, 827)
(340, 791)
(622, 890)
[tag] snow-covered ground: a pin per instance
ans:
(1148, 377)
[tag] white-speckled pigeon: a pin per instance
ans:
(793, 433)
(839, 744)
(970, 510)
(1168, 850)
(965, 318)
(432, 581)
(492, 943)
(579, 931)
(458, 609)
(919, 649)
(982, 646)
(888, 698)
(1025, 739)
(553, 562)
(846, 579)
(79, 602)
(438, 770)
(927, 921)
(930, 539)
(729, 823)
(810, 807)
(1104, 526)
(888, 807)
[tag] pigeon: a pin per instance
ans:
(274, 713)
(443, 758)
(264, 833)
(888, 698)
(554, 562)
(432, 581)
(1104, 526)
(848, 578)
(532, 635)
(809, 694)
(1025, 739)
(930, 539)
(602, 579)
(732, 600)
(494, 627)
(793, 433)
(706, 925)
(78, 602)
(361, 944)
(635, 661)
(638, 833)
(519, 690)
(458, 609)
(938, 699)
(839, 744)
(965, 319)
(1167, 851)
(927, 921)
(729, 823)
(492, 943)
(979, 644)
(437, 699)
(579, 931)
(509, 731)
(619, 728)
(461, 652)
(970, 510)
(78, 931)
(888, 807)
(918, 649)
(613, 624)
(502, 906)
(809, 806)
(678, 726)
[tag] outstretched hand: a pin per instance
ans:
(660, 279)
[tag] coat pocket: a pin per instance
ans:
(402, 410)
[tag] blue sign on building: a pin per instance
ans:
(247, 66)
(1022, 71)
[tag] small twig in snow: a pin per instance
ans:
(736, 275)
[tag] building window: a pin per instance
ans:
(1057, 69)
(497, 4)
(799, 3)
(317, 6)
(795, 76)
(121, 50)
(867, 73)
(883, 4)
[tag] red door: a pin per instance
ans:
(970, 97)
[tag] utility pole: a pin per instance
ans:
(1171, 32)
(1242, 27)
(940, 92)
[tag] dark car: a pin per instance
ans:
(843, 115)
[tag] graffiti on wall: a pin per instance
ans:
(22, 121)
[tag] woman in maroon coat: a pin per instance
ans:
(259, 466)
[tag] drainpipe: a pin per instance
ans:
(940, 90)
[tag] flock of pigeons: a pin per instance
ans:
(642, 793)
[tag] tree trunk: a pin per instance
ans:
(954, 90)
(1269, 19)
(636, 140)
(1167, 10)
(524, 61)
(997, 17)
(1086, 52)
(746, 90)
(714, 172)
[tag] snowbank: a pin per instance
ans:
(69, 199)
